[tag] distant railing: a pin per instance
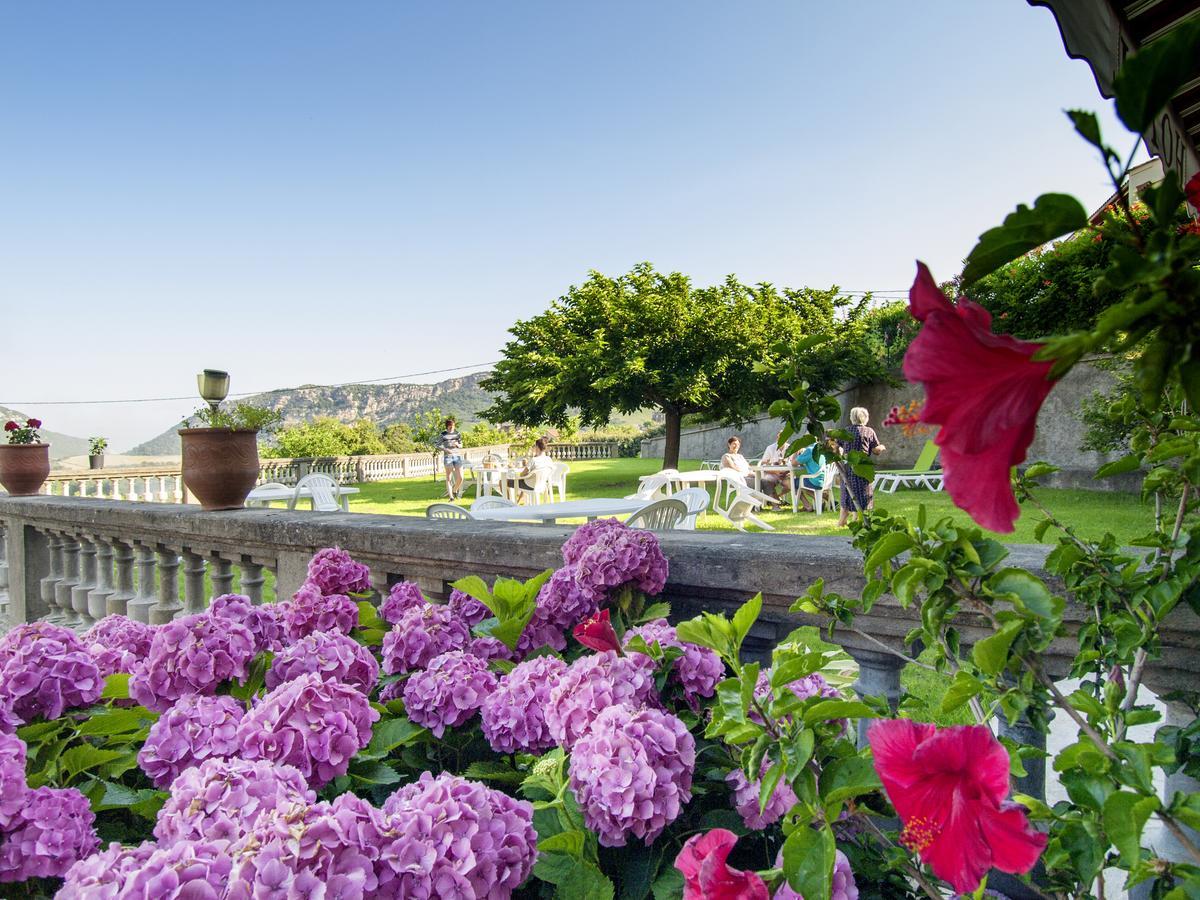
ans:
(584, 450)
(164, 484)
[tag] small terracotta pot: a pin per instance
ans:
(96, 461)
(220, 465)
(23, 467)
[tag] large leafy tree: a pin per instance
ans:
(647, 339)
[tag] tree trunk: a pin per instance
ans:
(671, 441)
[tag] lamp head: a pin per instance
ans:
(214, 386)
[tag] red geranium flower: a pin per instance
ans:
(707, 877)
(1192, 189)
(11, 426)
(985, 391)
(597, 633)
(949, 786)
(34, 423)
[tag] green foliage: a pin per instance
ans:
(97, 445)
(329, 437)
(240, 415)
(512, 603)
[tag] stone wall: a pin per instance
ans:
(1059, 431)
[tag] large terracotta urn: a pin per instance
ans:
(24, 467)
(220, 465)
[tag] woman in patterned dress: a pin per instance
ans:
(864, 440)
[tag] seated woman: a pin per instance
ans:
(813, 464)
(540, 462)
(734, 461)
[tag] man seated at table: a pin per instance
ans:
(775, 483)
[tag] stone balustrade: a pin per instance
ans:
(584, 450)
(159, 484)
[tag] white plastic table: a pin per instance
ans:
(549, 513)
(265, 494)
(494, 478)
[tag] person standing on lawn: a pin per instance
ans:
(450, 443)
(864, 440)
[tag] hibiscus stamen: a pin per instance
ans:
(919, 832)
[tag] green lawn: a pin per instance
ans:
(1091, 512)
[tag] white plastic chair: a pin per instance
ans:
(661, 515)
(818, 494)
(488, 481)
(324, 492)
(737, 503)
(491, 503)
(558, 480)
(696, 501)
(652, 487)
(446, 511)
(541, 485)
(270, 484)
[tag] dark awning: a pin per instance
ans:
(1104, 32)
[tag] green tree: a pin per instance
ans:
(647, 339)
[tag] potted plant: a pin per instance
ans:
(24, 460)
(220, 454)
(96, 452)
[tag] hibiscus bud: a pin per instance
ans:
(597, 633)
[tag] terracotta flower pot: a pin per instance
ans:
(23, 467)
(220, 465)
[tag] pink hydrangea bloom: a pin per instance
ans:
(844, 887)
(585, 535)
(322, 850)
(265, 621)
(12, 778)
(194, 729)
(699, 669)
(192, 655)
(745, 799)
(514, 715)
(221, 799)
(312, 724)
(446, 836)
(333, 571)
(467, 608)
(402, 597)
(619, 556)
(489, 648)
(422, 634)
(632, 773)
(185, 870)
(44, 670)
(449, 692)
(590, 685)
(103, 875)
(330, 654)
(118, 643)
(310, 610)
(561, 605)
(50, 833)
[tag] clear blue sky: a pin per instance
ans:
(320, 192)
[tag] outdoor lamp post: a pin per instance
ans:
(214, 386)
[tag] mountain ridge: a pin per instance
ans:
(384, 404)
(61, 445)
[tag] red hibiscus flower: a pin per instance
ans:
(949, 786)
(1192, 189)
(707, 877)
(985, 391)
(597, 633)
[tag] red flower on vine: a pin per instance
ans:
(597, 633)
(706, 875)
(949, 786)
(985, 391)
(1192, 190)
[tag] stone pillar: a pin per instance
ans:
(87, 583)
(194, 600)
(878, 675)
(98, 598)
(27, 556)
(55, 575)
(140, 606)
(65, 589)
(291, 569)
(168, 604)
(1034, 781)
(252, 580)
(118, 603)
(220, 570)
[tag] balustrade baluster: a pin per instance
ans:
(118, 601)
(98, 596)
(64, 590)
(252, 579)
(168, 605)
(140, 606)
(4, 601)
(87, 583)
(878, 674)
(220, 570)
(194, 600)
(177, 489)
(48, 584)
(100, 488)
